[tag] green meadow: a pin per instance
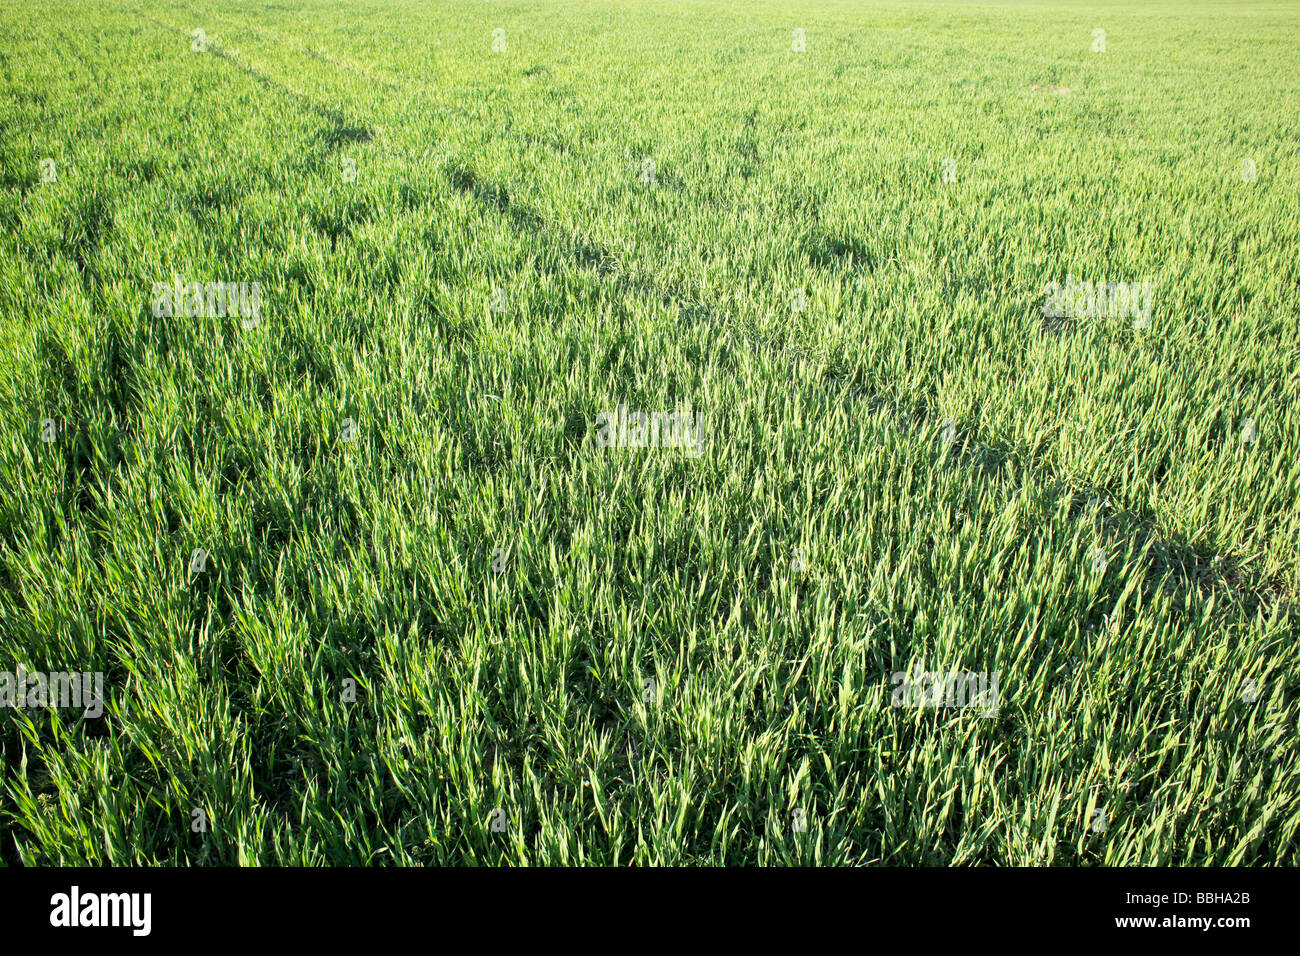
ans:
(636, 433)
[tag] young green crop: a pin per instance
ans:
(363, 585)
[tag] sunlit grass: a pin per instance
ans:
(429, 595)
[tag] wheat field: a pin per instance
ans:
(573, 432)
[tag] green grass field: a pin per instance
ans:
(369, 582)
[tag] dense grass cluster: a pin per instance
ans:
(432, 620)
